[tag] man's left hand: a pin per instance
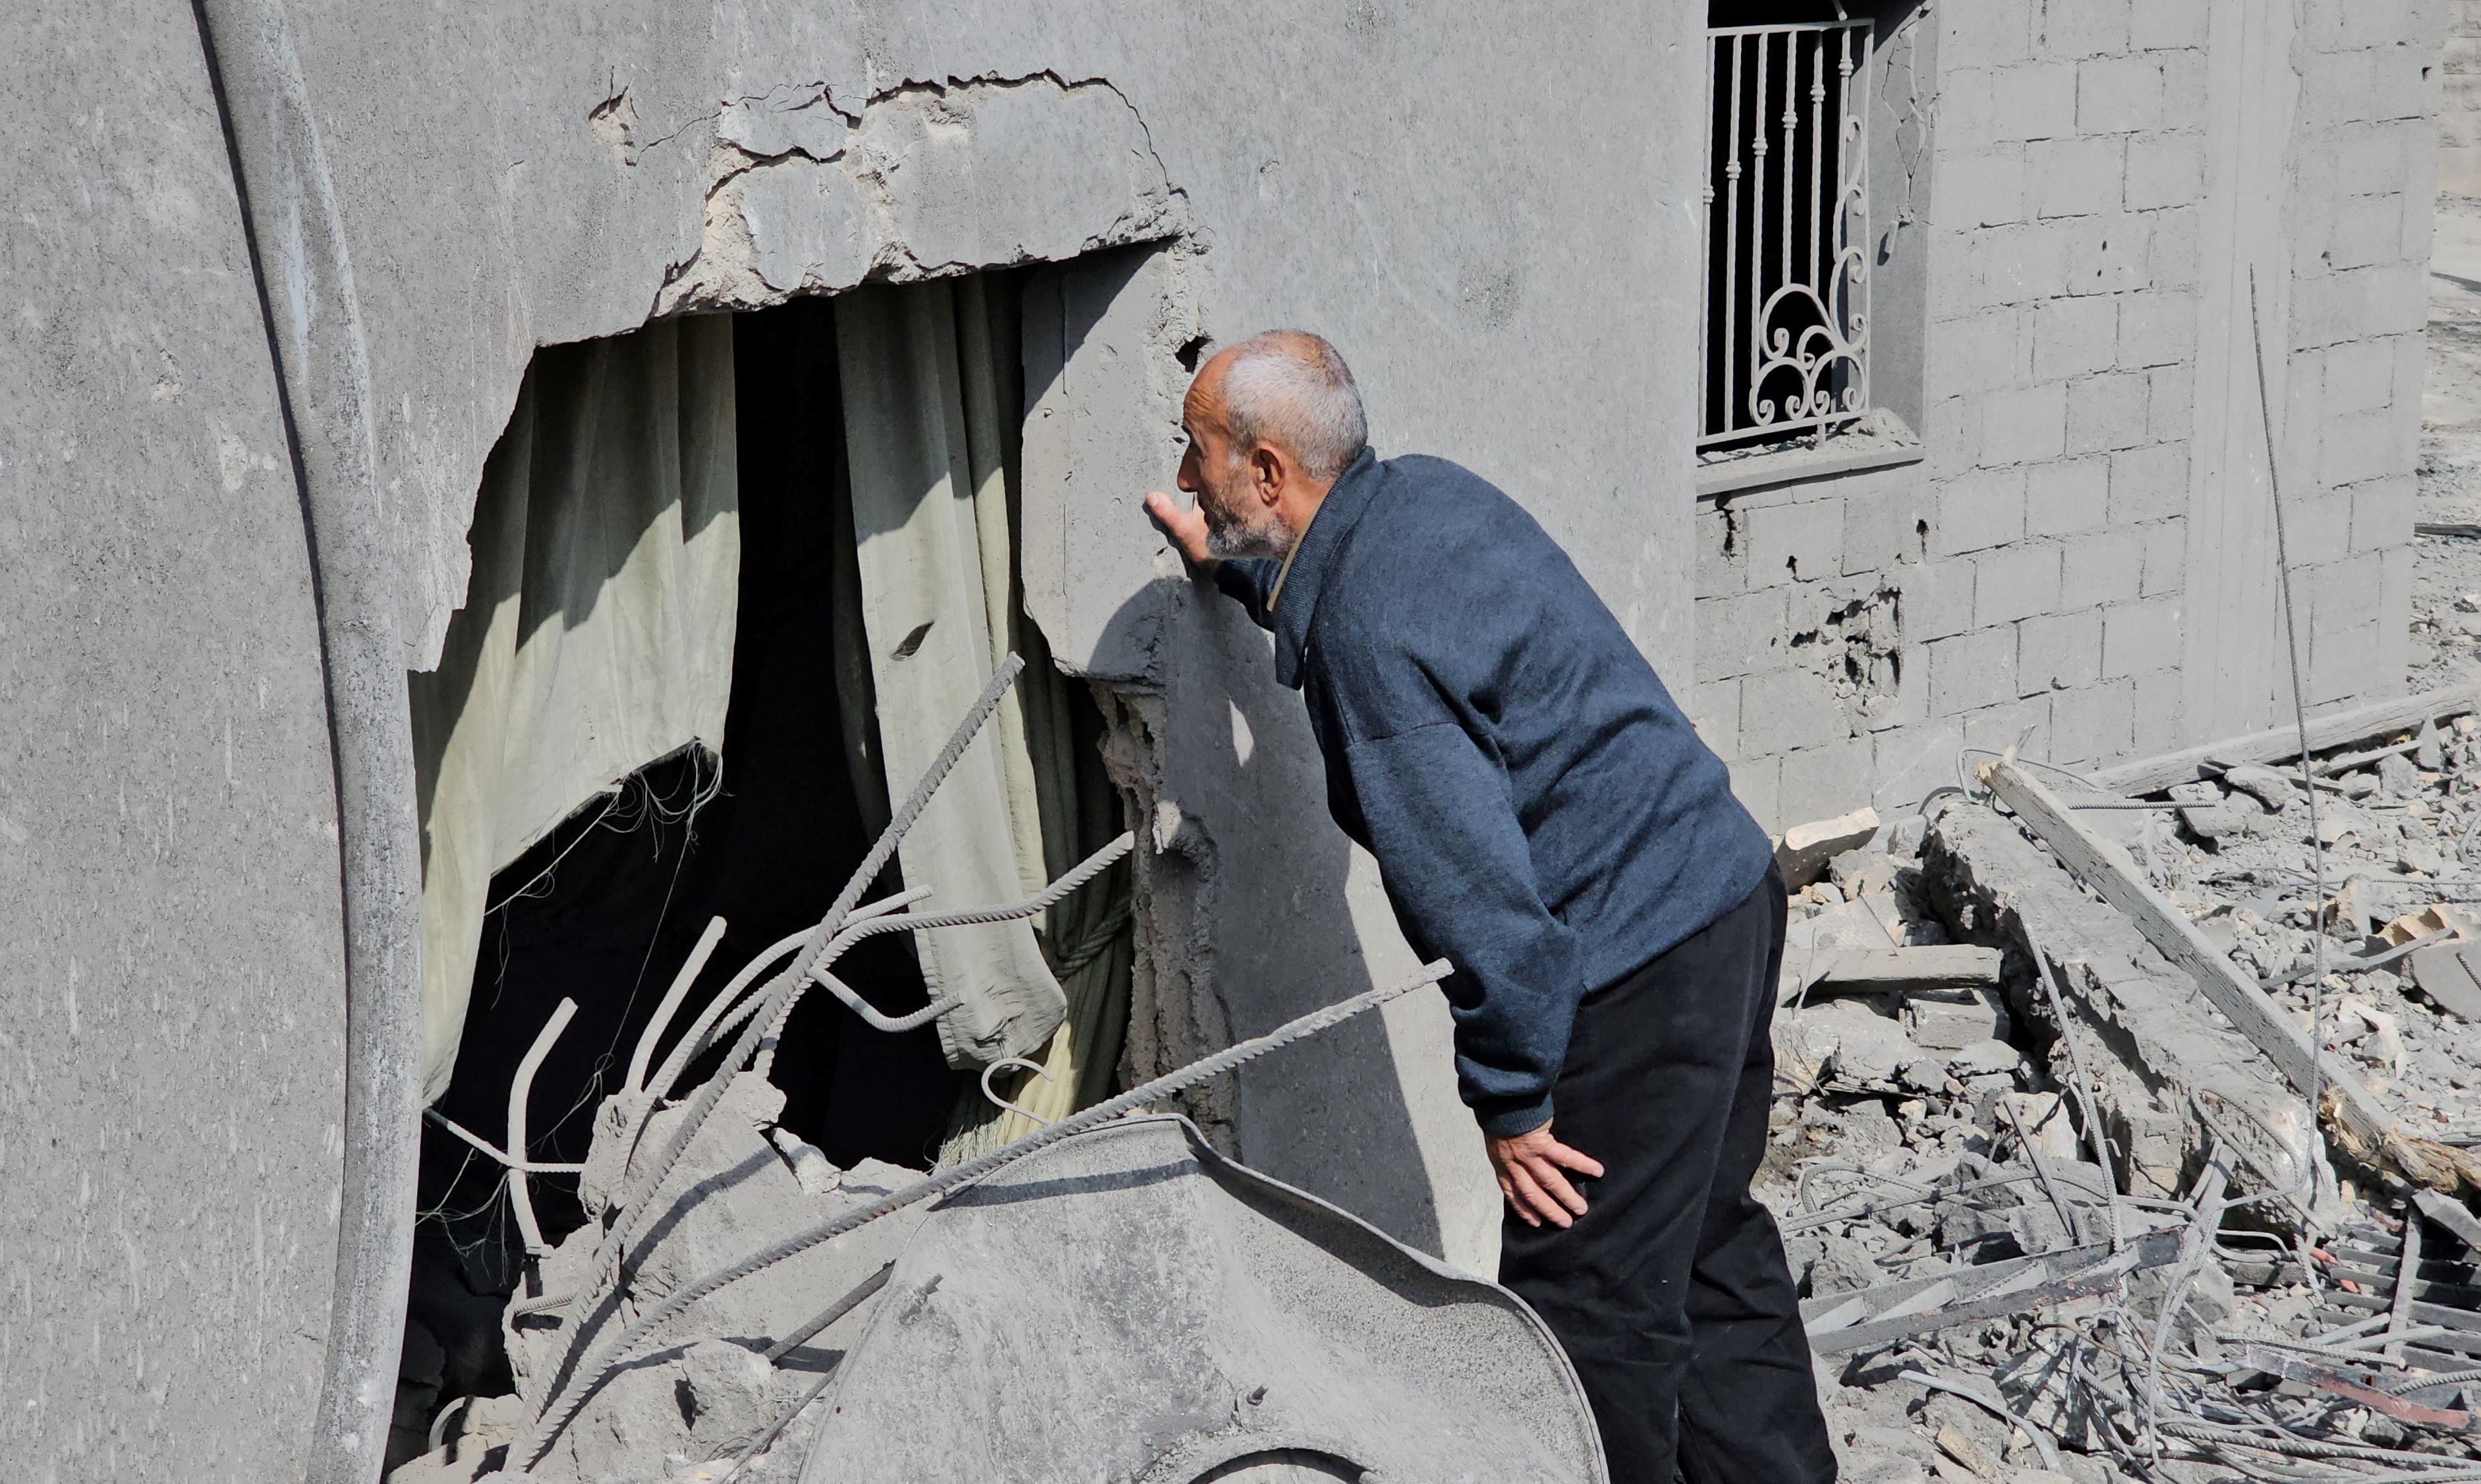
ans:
(1529, 1167)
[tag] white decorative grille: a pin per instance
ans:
(1783, 336)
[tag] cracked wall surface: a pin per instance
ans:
(1508, 286)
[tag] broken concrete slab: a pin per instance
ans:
(1953, 1021)
(707, 1390)
(2449, 973)
(2363, 1123)
(1263, 1326)
(1816, 944)
(2166, 1063)
(1805, 850)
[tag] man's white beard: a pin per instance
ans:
(1274, 538)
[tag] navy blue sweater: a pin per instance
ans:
(1542, 815)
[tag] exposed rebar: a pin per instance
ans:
(562, 1405)
(628, 1215)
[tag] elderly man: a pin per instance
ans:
(1546, 820)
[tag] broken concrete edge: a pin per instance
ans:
(1802, 851)
(2363, 1126)
(2277, 745)
(2173, 1080)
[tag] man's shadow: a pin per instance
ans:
(1285, 925)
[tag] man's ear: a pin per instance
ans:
(1268, 469)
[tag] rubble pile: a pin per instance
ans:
(2062, 1211)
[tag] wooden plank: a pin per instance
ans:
(2144, 776)
(2249, 1008)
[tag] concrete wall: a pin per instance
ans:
(1506, 284)
(2085, 548)
(2459, 115)
(169, 919)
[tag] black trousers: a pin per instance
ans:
(1670, 1293)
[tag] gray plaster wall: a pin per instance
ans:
(2086, 548)
(169, 916)
(1509, 278)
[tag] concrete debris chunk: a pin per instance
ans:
(2449, 973)
(2397, 777)
(1947, 1021)
(2019, 1212)
(1805, 850)
(2270, 789)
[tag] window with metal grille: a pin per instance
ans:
(1784, 337)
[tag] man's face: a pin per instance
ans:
(1233, 492)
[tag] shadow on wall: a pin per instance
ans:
(1242, 818)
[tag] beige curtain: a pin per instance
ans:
(933, 404)
(922, 431)
(1086, 938)
(597, 630)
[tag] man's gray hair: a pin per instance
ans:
(1289, 388)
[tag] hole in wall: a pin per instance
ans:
(1192, 352)
(606, 908)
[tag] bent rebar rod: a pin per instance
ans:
(1075, 877)
(703, 1033)
(520, 1088)
(671, 1005)
(810, 1328)
(493, 1152)
(562, 1406)
(630, 1215)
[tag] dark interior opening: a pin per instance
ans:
(606, 909)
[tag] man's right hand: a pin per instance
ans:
(1531, 1168)
(1183, 526)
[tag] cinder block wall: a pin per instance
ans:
(2459, 117)
(2031, 572)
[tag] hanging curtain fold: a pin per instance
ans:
(933, 406)
(597, 630)
(923, 432)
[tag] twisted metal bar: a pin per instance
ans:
(520, 1088)
(631, 1208)
(846, 1305)
(705, 1031)
(562, 1405)
(1042, 900)
(671, 1005)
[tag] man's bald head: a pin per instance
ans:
(1290, 389)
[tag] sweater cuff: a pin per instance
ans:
(1507, 1120)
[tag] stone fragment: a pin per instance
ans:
(1925, 1074)
(2451, 976)
(2044, 1118)
(1862, 873)
(1847, 1041)
(2264, 784)
(1805, 849)
(1951, 1020)
(1810, 943)
(2357, 786)
(2397, 778)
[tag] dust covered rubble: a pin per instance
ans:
(1907, 1118)
(706, 1389)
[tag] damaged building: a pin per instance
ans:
(508, 501)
